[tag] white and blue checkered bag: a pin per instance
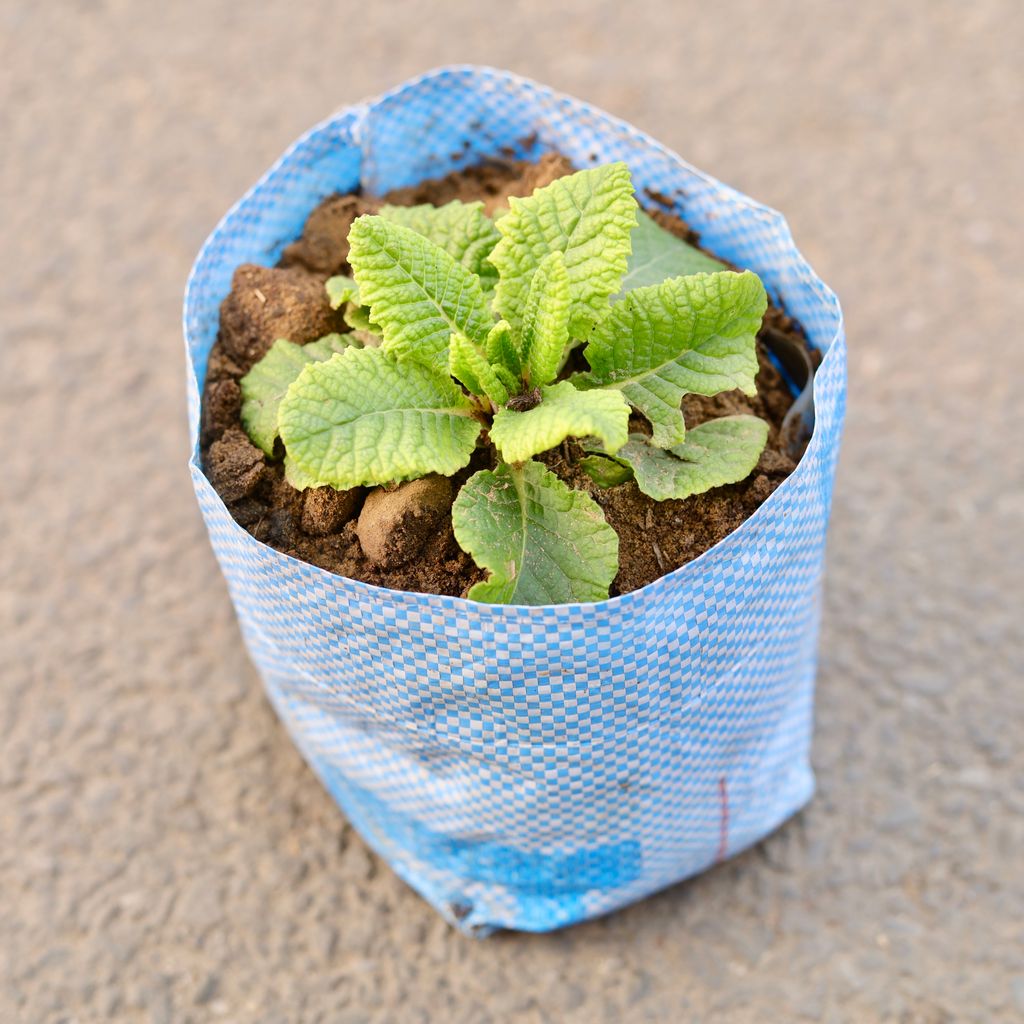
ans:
(530, 767)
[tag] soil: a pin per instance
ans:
(401, 536)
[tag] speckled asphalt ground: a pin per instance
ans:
(165, 856)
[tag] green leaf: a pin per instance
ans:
(658, 255)
(587, 217)
(298, 478)
(541, 541)
(687, 335)
(341, 289)
(416, 292)
(265, 384)
(501, 348)
(563, 412)
(510, 380)
(358, 318)
(603, 471)
(722, 451)
(362, 419)
(468, 364)
(546, 320)
(463, 230)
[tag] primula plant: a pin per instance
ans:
(462, 329)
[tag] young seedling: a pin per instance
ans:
(462, 327)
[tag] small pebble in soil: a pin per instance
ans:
(395, 524)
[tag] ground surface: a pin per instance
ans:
(164, 854)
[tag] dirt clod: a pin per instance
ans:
(235, 465)
(395, 524)
(221, 410)
(323, 247)
(267, 303)
(491, 182)
(550, 167)
(775, 463)
(326, 511)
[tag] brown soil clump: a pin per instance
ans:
(490, 182)
(323, 247)
(396, 522)
(267, 303)
(326, 511)
(235, 465)
(401, 537)
(222, 408)
(547, 169)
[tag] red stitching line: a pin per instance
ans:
(723, 828)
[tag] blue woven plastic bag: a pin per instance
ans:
(531, 767)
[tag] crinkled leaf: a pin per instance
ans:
(463, 230)
(362, 418)
(265, 384)
(603, 471)
(356, 315)
(510, 380)
(587, 217)
(687, 335)
(501, 348)
(541, 541)
(563, 412)
(416, 292)
(341, 289)
(658, 254)
(546, 313)
(358, 318)
(467, 363)
(722, 451)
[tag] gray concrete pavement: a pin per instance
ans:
(165, 856)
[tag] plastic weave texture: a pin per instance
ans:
(530, 767)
